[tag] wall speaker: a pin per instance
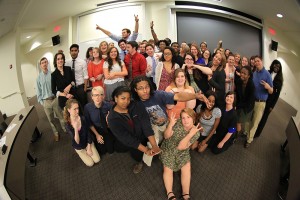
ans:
(56, 40)
(274, 45)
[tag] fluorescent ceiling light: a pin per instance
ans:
(279, 15)
(28, 37)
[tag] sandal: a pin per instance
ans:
(173, 197)
(188, 198)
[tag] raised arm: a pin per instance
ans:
(153, 33)
(136, 27)
(186, 141)
(205, 70)
(106, 32)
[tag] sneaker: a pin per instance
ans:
(56, 137)
(247, 144)
(138, 167)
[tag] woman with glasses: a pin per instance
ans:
(205, 58)
(196, 74)
(95, 114)
(164, 71)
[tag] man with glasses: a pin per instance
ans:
(95, 115)
(156, 103)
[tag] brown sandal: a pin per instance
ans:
(182, 197)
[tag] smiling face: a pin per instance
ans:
(244, 61)
(245, 75)
(113, 54)
(206, 54)
(150, 51)
(194, 50)
(217, 59)
(103, 47)
(143, 90)
(125, 34)
(258, 63)
(168, 55)
(180, 79)
(187, 120)
(211, 100)
(229, 99)
(189, 60)
(60, 61)
(123, 100)
(230, 61)
(276, 68)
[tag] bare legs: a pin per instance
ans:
(185, 179)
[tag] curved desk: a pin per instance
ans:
(293, 137)
(12, 163)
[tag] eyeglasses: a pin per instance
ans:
(143, 88)
(167, 54)
(97, 95)
(189, 59)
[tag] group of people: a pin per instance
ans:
(151, 98)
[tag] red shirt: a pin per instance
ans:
(139, 64)
(94, 70)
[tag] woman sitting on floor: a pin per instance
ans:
(77, 127)
(209, 118)
(223, 138)
(175, 155)
(130, 124)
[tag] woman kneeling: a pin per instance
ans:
(81, 141)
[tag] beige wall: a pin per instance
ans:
(12, 94)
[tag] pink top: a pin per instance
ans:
(166, 79)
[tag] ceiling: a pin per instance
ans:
(32, 16)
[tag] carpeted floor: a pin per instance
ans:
(239, 173)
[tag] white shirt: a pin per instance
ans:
(115, 68)
(81, 72)
(149, 62)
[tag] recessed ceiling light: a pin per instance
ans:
(2, 19)
(28, 37)
(279, 15)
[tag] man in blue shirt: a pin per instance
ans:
(263, 87)
(47, 99)
(126, 33)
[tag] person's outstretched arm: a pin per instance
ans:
(106, 32)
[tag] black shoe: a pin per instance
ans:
(33, 140)
(33, 164)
